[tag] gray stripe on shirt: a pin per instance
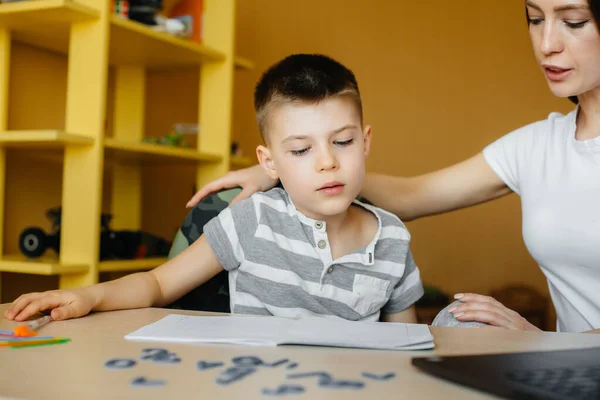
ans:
(408, 269)
(219, 241)
(407, 299)
(244, 220)
(237, 309)
(391, 249)
(389, 219)
(283, 224)
(291, 296)
(270, 254)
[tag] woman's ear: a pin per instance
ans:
(266, 161)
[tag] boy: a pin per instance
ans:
(308, 250)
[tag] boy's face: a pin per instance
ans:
(318, 152)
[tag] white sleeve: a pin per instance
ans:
(510, 155)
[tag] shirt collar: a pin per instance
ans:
(367, 256)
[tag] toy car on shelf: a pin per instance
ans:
(122, 244)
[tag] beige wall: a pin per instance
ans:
(439, 81)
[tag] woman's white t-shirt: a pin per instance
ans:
(558, 180)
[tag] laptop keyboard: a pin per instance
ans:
(569, 383)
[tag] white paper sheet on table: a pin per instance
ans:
(274, 331)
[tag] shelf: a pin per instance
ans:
(49, 265)
(241, 162)
(243, 63)
(135, 151)
(143, 264)
(42, 139)
(44, 23)
(39, 266)
(133, 43)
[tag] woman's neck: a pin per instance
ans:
(588, 120)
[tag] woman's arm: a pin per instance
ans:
(461, 185)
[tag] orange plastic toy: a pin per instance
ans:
(30, 329)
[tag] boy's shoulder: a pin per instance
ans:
(387, 218)
(276, 198)
(275, 202)
(270, 196)
(276, 193)
(390, 226)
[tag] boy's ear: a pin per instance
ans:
(367, 139)
(266, 161)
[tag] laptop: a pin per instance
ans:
(556, 374)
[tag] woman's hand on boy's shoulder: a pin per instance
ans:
(477, 307)
(251, 180)
(64, 304)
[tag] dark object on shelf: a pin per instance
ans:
(129, 245)
(144, 11)
(235, 149)
(119, 245)
(33, 242)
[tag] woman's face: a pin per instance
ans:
(566, 43)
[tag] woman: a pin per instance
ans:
(553, 164)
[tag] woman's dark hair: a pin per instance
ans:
(595, 8)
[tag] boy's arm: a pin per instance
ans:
(159, 287)
(408, 316)
(409, 288)
(164, 284)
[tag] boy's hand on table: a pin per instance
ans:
(64, 304)
(486, 309)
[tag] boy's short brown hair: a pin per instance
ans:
(302, 77)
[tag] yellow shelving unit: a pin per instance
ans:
(45, 23)
(94, 41)
(42, 139)
(47, 12)
(136, 44)
(43, 266)
(135, 265)
(243, 63)
(136, 150)
(238, 162)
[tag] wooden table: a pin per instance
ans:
(76, 370)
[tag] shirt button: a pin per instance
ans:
(322, 244)
(318, 224)
(330, 270)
